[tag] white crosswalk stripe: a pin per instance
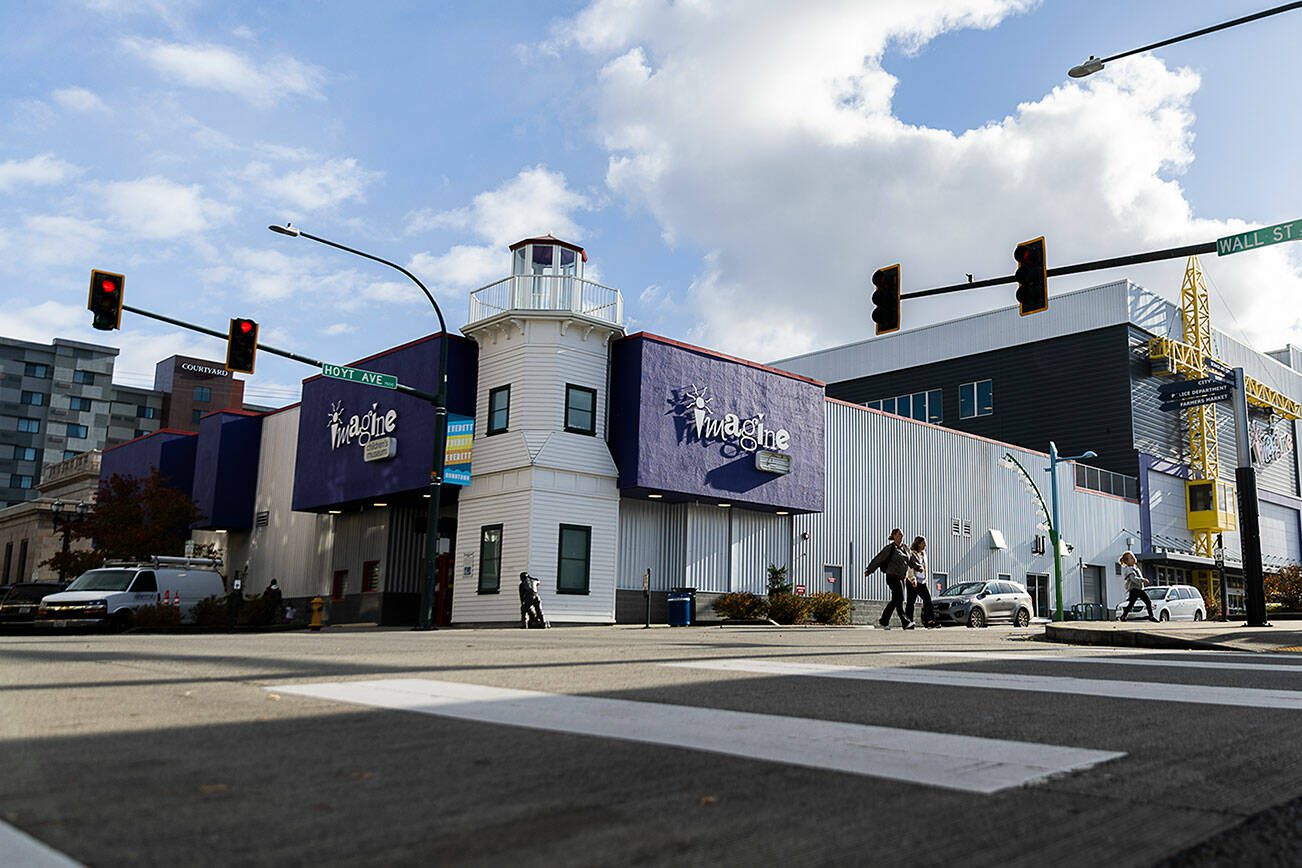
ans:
(21, 850)
(1242, 665)
(1243, 697)
(958, 762)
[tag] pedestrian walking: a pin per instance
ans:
(1133, 577)
(895, 560)
(918, 584)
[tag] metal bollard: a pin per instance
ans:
(317, 605)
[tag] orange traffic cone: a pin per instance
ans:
(167, 598)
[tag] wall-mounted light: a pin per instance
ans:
(335, 511)
(782, 512)
(724, 505)
(654, 496)
(379, 504)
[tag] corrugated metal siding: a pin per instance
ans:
(1280, 541)
(405, 560)
(294, 547)
(359, 537)
(887, 472)
(652, 536)
(758, 539)
(709, 544)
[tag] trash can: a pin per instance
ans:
(679, 608)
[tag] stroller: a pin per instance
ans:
(531, 614)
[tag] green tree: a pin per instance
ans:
(778, 583)
(132, 518)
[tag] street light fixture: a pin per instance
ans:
(1055, 533)
(1094, 64)
(64, 523)
(426, 619)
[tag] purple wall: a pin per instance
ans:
(654, 427)
(172, 452)
(226, 469)
(330, 470)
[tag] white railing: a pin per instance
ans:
(547, 292)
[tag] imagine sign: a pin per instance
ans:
(363, 428)
(748, 434)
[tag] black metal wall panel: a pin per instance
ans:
(1074, 390)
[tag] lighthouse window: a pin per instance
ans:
(499, 409)
(574, 555)
(580, 410)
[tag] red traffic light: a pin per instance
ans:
(241, 345)
(106, 304)
(1032, 276)
(246, 326)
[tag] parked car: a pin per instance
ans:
(110, 595)
(1170, 603)
(18, 603)
(977, 604)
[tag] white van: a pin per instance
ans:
(109, 596)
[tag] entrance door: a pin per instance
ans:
(832, 579)
(1037, 584)
(1092, 586)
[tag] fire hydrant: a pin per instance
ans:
(317, 605)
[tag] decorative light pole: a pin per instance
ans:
(63, 522)
(1048, 521)
(426, 621)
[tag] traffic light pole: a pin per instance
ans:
(1096, 265)
(306, 360)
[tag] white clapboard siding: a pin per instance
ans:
(502, 498)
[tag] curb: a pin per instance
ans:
(1130, 639)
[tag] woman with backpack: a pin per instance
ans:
(1134, 580)
(896, 561)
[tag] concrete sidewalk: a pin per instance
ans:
(1194, 635)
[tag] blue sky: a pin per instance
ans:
(737, 169)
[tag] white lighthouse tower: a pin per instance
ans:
(543, 495)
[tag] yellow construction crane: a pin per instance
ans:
(1209, 502)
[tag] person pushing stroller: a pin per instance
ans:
(531, 614)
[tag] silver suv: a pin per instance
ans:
(976, 604)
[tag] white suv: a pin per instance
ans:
(1170, 603)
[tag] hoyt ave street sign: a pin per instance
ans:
(355, 375)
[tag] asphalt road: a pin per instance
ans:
(203, 750)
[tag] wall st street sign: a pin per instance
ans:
(1276, 234)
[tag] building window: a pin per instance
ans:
(20, 480)
(580, 409)
(143, 412)
(923, 406)
(195, 416)
(85, 378)
(499, 409)
(78, 431)
(490, 559)
(24, 453)
(1107, 482)
(339, 586)
(976, 399)
(81, 405)
(29, 426)
(70, 453)
(32, 369)
(140, 432)
(202, 394)
(22, 561)
(370, 576)
(572, 559)
(34, 399)
(939, 581)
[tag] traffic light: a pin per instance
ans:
(106, 299)
(1032, 276)
(241, 345)
(886, 299)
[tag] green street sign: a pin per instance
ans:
(1259, 238)
(354, 375)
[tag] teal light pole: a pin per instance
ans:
(1048, 518)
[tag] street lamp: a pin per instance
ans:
(1054, 533)
(64, 523)
(426, 620)
(1094, 64)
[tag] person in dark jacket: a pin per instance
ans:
(896, 561)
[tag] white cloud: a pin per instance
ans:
(321, 184)
(764, 134)
(78, 99)
(41, 170)
(339, 328)
(156, 208)
(537, 201)
(218, 68)
(55, 240)
(462, 267)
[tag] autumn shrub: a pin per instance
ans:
(1285, 588)
(829, 608)
(789, 609)
(259, 612)
(157, 616)
(210, 612)
(741, 607)
(1212, 604)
